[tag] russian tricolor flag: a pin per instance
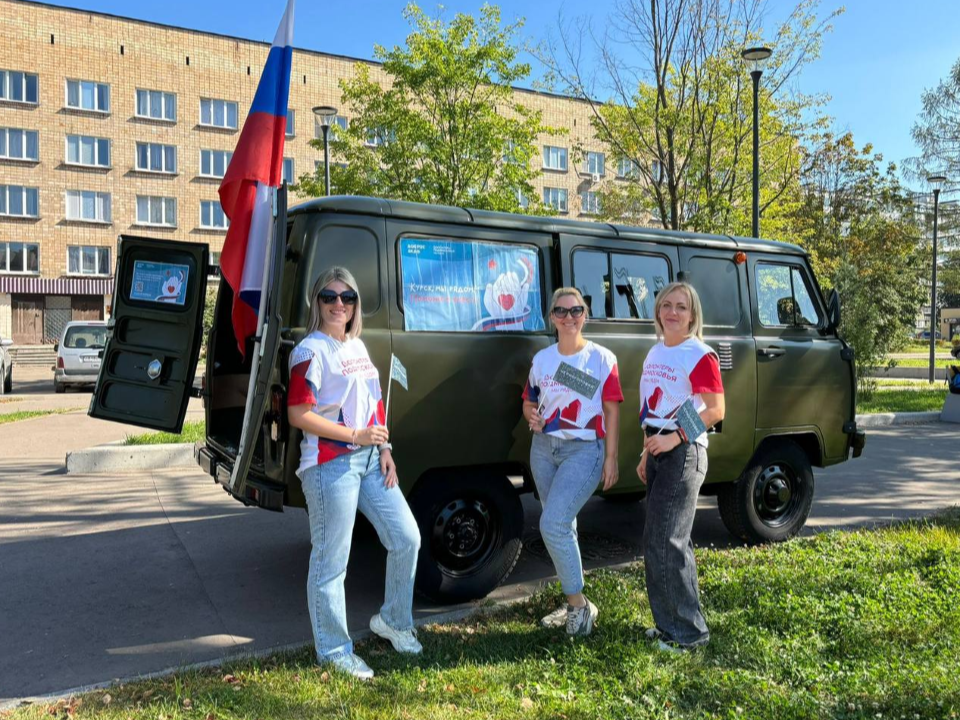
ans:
(246, 191)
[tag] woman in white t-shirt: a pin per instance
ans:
(575, 445)
(346, 464)
(680, 367)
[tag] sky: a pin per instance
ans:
(875, 64)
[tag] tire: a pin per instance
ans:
(470, 530)
(59, 387)
(8, 385)
(771, 500)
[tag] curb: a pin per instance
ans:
(898, 418)
(122, 458)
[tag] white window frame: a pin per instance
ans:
(5, 144)
(290, 129)
(627, 168)
(228, 156)
(293, 175)
(596, 163)
(97, 270)
(6, 191)
(78, 162)
(5, 255)
(339, 121)
(6, 80)
(213, 204)
(226, 114)
(589, 202)
(522, 200)
(102, 203)
(165, 203)
(96, 95)
(554, 158)
(167, 99)
(562, 197)
(163, 158)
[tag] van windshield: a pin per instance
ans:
(86, 336)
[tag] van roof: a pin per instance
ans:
(486, 218)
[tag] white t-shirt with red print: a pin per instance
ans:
(570, 415)
(673, 374)
(341, 384)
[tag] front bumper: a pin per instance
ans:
(255, 491)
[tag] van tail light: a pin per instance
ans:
(60, 363)
(276, 402)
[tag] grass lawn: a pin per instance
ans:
(925, 362)
(26, 415)
(840, 625)
(192, 432)
(903, 400)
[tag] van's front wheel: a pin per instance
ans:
(772, 499)
(470, 530)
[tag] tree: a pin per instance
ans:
(679, 108)
(445, 126)
(937, 130)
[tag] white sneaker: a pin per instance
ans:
(580, 619)
(403, 641)
(352, 665)
(556, 619)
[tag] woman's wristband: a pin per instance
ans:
(353, 437)
(385, 446)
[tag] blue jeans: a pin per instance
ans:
(566, 473)
(335, 491)
(673, 485)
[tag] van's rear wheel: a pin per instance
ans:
(772, 499)
(470, 529)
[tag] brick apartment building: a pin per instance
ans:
(110, 126)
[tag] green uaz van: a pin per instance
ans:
(458, 296)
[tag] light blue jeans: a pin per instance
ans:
(335, 490)
(566, 473)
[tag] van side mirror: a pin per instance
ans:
(833, 309)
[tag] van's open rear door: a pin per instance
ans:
(155, 333)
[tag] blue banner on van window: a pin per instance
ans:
(454, 286)
(159, 282)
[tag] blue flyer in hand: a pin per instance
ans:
(689, 420)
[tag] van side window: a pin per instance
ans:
(718, 283)
(784, 298)
(636, 281)
(357, 249)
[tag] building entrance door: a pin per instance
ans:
(27, 319)
(87, 307)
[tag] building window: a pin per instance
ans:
(522, 200)
(18, 257)
(627, 168)
(554, 158)
(380, 136)
(656, 171)
(211, 215)
(18, 86)
(555, 198)
(589, 203)
(88, 95)
(153, 210)
(88, 260)
(156, 105)
(213, 163)
(291, 123)
(154, 157)
(19, 201)
(218, 113)
(339, 123)
(88, 206)
(87, 150)
(596, 163)
(19, 144)
(288, 171)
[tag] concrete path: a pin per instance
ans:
(108, 577)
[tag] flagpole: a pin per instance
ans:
(386, 410)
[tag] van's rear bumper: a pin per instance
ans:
(257, 492)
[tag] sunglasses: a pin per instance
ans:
(347, 297)
(574, 312)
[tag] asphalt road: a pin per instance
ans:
(105, 577)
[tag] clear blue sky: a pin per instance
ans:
(875, 64)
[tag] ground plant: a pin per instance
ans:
(193, 431)
(26, 415)
(885, 399)
(840, 625)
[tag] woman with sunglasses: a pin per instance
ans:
(346, 464)
(574, 445)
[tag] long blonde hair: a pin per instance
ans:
(696, 310)
(328, 276)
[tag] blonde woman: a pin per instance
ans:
(574, 446)
(346, 464)
(679, 367)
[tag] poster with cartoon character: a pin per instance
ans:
(451, 286)
(159, 282)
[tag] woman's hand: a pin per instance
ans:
(642, 468)
(611, 472)
(373, 435)
(534, 420)
(656, 444)
(388, 468)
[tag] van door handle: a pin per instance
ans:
(771, 352)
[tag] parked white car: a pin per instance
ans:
(78, 354)
(6, 367)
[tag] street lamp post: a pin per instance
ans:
(936, 181)
(326, 116)
(756, 55)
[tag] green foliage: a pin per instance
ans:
(445, 127)
(193, 431)
(936, 130)
(209, 313)
(26, 415)
(907, 400)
